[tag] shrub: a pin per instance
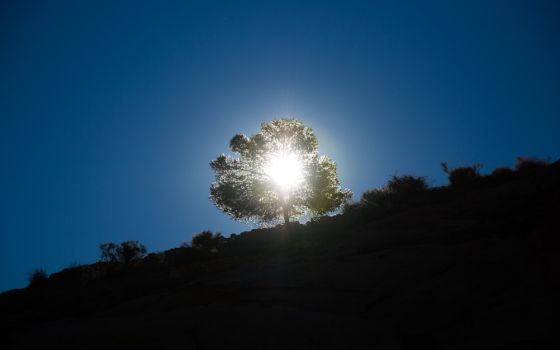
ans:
(406, 184)
(37, 277)
(502, 174)
(397, 189)
(378, 197)
(109, 252)
(399, 192)
(130, 251)
(462, 176)
(530, 164)
(206, 240)
(350, 207)
(126, 253)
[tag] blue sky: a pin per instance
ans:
(111, 111)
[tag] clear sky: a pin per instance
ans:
(111, 111)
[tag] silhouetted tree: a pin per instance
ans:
(247, 187)
(125, 253)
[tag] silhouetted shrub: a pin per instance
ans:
(399, 193)
(206, 240)
(155, 258)
(462, 176)
(37, 277)
(501, 172)
(378, 197)
(500, 175)
(397, 190)
(109, 252)
(349, 208)
(75, 275)
(530, 164)
(406, 184)
(126, 253)
(130, 251)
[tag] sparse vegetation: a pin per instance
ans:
(462, 176)
(109, 252)
(501, 175)
(206, 240)
(530, 164)
(502, 172)
(399, 192)
(131, 251)
(396, 228)
(379, 198)
(406, 184)
(399, 195)
(126, 253)
(38, 277)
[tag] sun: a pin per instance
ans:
(285, 169)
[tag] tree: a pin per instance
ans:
(277, 174)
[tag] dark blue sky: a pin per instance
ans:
(110, 113)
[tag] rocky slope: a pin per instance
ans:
(466, 268)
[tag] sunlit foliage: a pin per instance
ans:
(277, 174)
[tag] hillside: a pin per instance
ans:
(457, 267)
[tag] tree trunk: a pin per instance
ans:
(286, 211)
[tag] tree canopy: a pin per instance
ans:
(276, 174)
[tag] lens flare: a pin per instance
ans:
(285, 170)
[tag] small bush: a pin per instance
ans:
(530, 164)
(500, 175)
(37, 277)
(502, 172)
(126, 253)
(378, 197)
(130, 251)
(109, 252)
(462, 176)
(399, 192)
(406, 184)
(350, 207)
(206, 240)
